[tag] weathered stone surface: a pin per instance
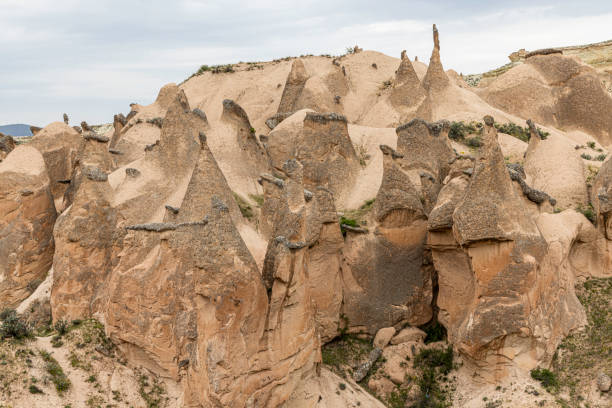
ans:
(601, 197)
(59, 145)
(387, 273)
(7, 144)
(293, 87)
(409, 335)
(500, 275)
(383, 337)
(435, 80)
(27, 216)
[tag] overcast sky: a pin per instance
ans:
(92, 58)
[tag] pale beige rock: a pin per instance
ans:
(383, 336)
(27, 216)
(59, 144)
(409, 335)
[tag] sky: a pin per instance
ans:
(91, 59)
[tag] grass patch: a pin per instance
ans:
(151, 391)
(258, 198)
(587, 211)
(345, 352)
(585, 353)
(547, 378)
(245, 209)
(58, 377)
(433, 366)
(520, 132)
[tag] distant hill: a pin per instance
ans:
(16, 130)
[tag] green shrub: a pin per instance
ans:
(245, 209)
(58, 377)
(587, 211)
(473, 142)
(61, 327)
(435, 332)
(258, 198)
(600, 157)
(460, 130)
(591, 145)
(547, 378)
(586, 156)
(13, 326)
(35, 390)
(521, 133)
(435, 358)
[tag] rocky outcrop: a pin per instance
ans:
(119, 121)
(427, 154)
(435, 80)
(59, 145)
(499, 278)
(555, 90)
(601, 197)
(294, 85)
(555, 167)
(408, 95)
(27, 216)
(7, 144)
(387, 272)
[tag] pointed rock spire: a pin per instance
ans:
(293, 87)
(435, 79)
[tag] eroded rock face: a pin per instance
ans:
(555, 90)
(173, 281)
(59, 145)
(602, 199)
(499, 277)
(27, 215)
(435, 80)
(555, 167)
(408, 95)
(7, 144)
(387, 273)
(293, 87)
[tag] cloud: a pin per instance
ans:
(93, 58)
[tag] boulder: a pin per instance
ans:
(383, 337)
(409, 335)
(27, 216)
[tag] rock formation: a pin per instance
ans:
(386, 272)
(435, 80)
(7, 144)
(495, 262)
(59, 145)
(293, 87)
(601, 197)
(27, 216)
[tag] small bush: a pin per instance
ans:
(258, 198)
(586, 156)
(588, 212)
(58, 377)
(547, 378)
(474, 142)
(35, 390)
(591, 145)
(435, 332)
(61, 327)
(600, 157)
(245, 209)
(460, 130)
(13, 326)
(435, 358)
